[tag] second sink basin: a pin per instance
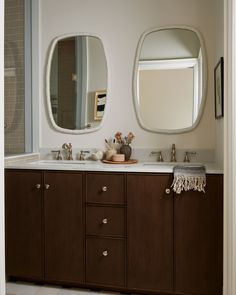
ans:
(171, 164)
(63, 162)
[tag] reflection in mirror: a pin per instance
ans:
(169, 81)
(77, 72)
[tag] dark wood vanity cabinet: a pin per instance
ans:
(122, 231)
(63, 226)
(105, 229)
(175, 242)
(44, 225)
(24, 224)
(198, 240)
(149, 232)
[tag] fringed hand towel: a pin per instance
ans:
(189, 178)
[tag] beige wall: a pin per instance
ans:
(120, 25)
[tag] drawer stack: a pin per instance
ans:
(105, 229)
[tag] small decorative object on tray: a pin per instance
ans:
(110, 145)
(125, 144)
(118, 158)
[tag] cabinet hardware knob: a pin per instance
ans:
(104, 221)
(47, 186)
(105, 253)
(38, 186)
(167, 191)
(104, 188)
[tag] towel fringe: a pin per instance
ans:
(186, 183)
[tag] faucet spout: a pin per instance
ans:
(68, 147)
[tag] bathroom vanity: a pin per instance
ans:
(114, 230)
(115, 227)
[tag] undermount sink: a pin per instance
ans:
(158, 164)
(63, 162)
(171, 164)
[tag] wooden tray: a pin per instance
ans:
(130, 161)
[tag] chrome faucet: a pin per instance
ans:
(68, 147)
(173, 153)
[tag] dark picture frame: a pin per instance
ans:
(219, 88)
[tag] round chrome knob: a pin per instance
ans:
(38, 186)
(104, 188)
(167, 191)
(105, 253)
(47, 186)
(104, 221)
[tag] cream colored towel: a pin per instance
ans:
(191, 177)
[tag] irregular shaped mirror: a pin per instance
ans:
(170, 79)
(76, 83)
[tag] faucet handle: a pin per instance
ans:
(58, 156)
(186, 157)
(82, 154)
(159, 155)
(187, 153)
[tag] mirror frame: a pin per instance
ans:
(48, 72)
(135, 81)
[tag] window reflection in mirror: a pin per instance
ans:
(78, 70)
(169, 82)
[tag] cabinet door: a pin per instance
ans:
(198, 240)
(149, 232)
(23, 211)
(63, 227)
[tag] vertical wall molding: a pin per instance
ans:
(2, 209)
(36, 74)
(230, 148)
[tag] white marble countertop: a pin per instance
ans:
(151, 167)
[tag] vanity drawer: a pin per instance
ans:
(105, 221)
(105, 261)
(105, 188)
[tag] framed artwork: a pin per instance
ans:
(219, 88)
(99, 104)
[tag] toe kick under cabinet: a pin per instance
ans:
(116, 231)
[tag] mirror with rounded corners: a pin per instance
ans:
(77, 83)
(170, 80)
